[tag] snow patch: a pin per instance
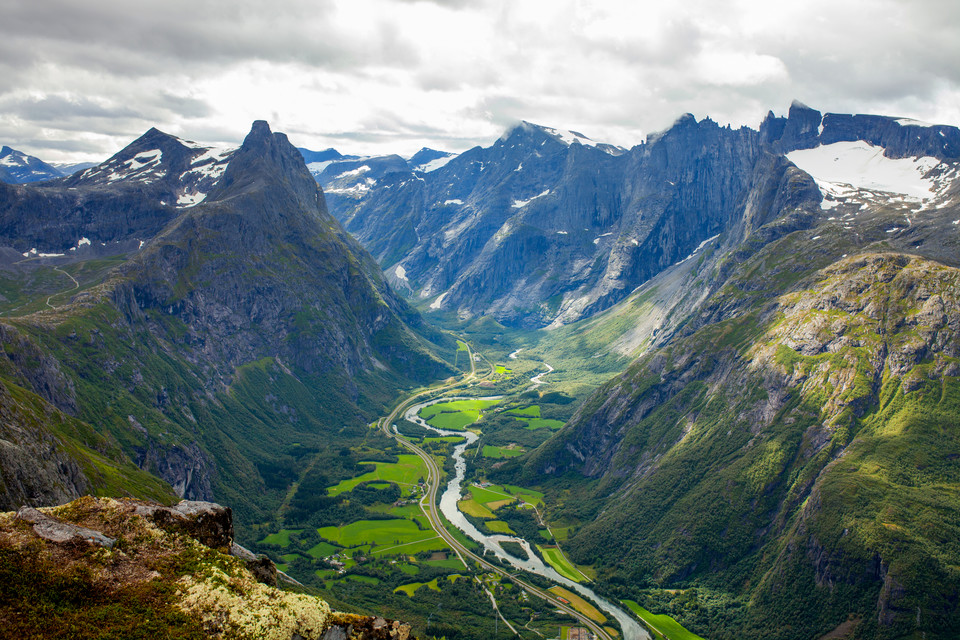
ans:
(433, 165)
(439, 301)
(82, 241)
(562, 233)
(602, 235)
(454, 201)
(401, 273)
(839, 166)
(700, 246)
(190, 199)
(910, 122)
(316, 168)
(358, 189)
(141, 160)
(353, 172)
(519, 204)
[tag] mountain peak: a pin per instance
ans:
(259, 129)
(18, 167)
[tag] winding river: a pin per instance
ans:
(448, 506)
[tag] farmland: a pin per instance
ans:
(455, 415)
(406, 472)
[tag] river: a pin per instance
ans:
(448, 506)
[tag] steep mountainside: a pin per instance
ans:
(200, 313)
(546, 227)
(784, 459)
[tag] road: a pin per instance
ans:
(428, 503)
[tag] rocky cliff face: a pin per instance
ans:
(546, 227)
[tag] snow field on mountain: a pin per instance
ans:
(863, 166)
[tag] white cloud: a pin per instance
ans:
(372, 76)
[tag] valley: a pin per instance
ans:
(443, 537)
(702, 388)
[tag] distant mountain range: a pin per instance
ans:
(17, 167)
(545, 226)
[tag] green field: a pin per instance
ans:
(449, 563)
(662, 624)
(558, 561)
(499, 526)
(502, 369)
(411, 588)
(527, 495)
(475, 509)
(442, 439)
(281, 537)
(433, 543)
(533, 411)
(485, 500)
(455, 415)
(406, 472)
(381, 533)
(493, 493)
(501, 452)
(323, 550)
(408, 511)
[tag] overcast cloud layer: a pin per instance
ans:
(79, 80)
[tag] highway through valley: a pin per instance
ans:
(430, 506)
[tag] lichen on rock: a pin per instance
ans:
(239, 606)
(107, 567)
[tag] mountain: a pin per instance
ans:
(427, 159)
(196, 314)
(70, 168)
(546, 227)
(781, 461)
(17, 167)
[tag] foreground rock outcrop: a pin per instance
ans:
(99, 567)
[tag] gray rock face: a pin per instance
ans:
(208, 522)
(35, 465)
(53, 530)
(543, 228)
(805, 128)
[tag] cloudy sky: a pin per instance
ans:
(79, 80)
